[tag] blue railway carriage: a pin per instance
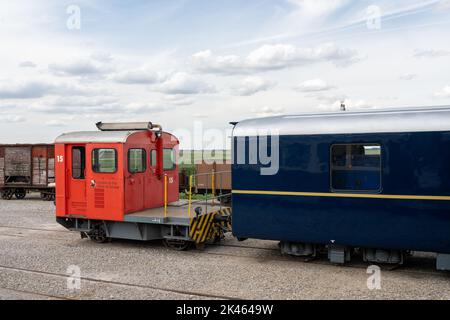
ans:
(378, 181)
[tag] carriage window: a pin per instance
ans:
(356, 167)
(78, 162)
(137, 160)
(169, 159)
(104, 160)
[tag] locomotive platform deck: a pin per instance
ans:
(177, 213)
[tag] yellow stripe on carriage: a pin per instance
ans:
(342, 195)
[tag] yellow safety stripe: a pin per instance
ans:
(200, 226)
(342, 195)
(209, 224)
(203, 227)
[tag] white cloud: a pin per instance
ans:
(185, 84)
(80, 68)
(443, 93)
(431, 53)
(177, 100)
(252, 85)
(409, 76)
(136, 77)
(317, 8)
(315, 85)
(143, 107)
(11, 119)
(56, 123)
(27, 64)
(328, 98)
(268, 111)
(27, 90)
(443, 5)
(37, 89)
(273, 57)
(80, 101)
(77, 105)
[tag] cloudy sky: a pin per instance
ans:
(180, 62)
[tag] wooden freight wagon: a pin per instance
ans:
(25, 168)
(204, 180)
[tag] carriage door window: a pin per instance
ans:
(356, 167)
(78, 162)
(104, 160)
(137, 160)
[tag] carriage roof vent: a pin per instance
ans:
(124, 126)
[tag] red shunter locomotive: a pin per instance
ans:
(122, 182)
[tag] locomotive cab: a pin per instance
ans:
(122, 182)
(107, 174)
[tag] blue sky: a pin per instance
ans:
(187, 61)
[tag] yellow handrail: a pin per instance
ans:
(190, 196)
(213, 187)
(165, 196)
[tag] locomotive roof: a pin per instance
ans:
(374, 121)
(95, 136)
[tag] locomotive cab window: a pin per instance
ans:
(356, 167)
(78, 162)
(104, 160)
(137, 160)
(169, 159)
(153, 158)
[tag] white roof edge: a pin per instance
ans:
(374, 121)
(95, 136)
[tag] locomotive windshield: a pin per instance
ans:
(104, 160)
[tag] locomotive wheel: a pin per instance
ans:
(99, 235)
(20, 194)
(7, 195)
(177, 245)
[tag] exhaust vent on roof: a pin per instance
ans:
(124, 126)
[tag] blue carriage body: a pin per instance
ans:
(398, 200)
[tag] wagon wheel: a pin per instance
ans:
(7, 195)
(177, 245)
(20, 194)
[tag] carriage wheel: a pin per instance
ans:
(7, 195)
(177, 245)
(20, 194)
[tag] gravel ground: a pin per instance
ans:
(33, 265)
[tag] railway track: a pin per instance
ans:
(279, 257)
(35, 229)
(50, 296)
(113, 283)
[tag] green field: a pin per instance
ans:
(188, 158)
